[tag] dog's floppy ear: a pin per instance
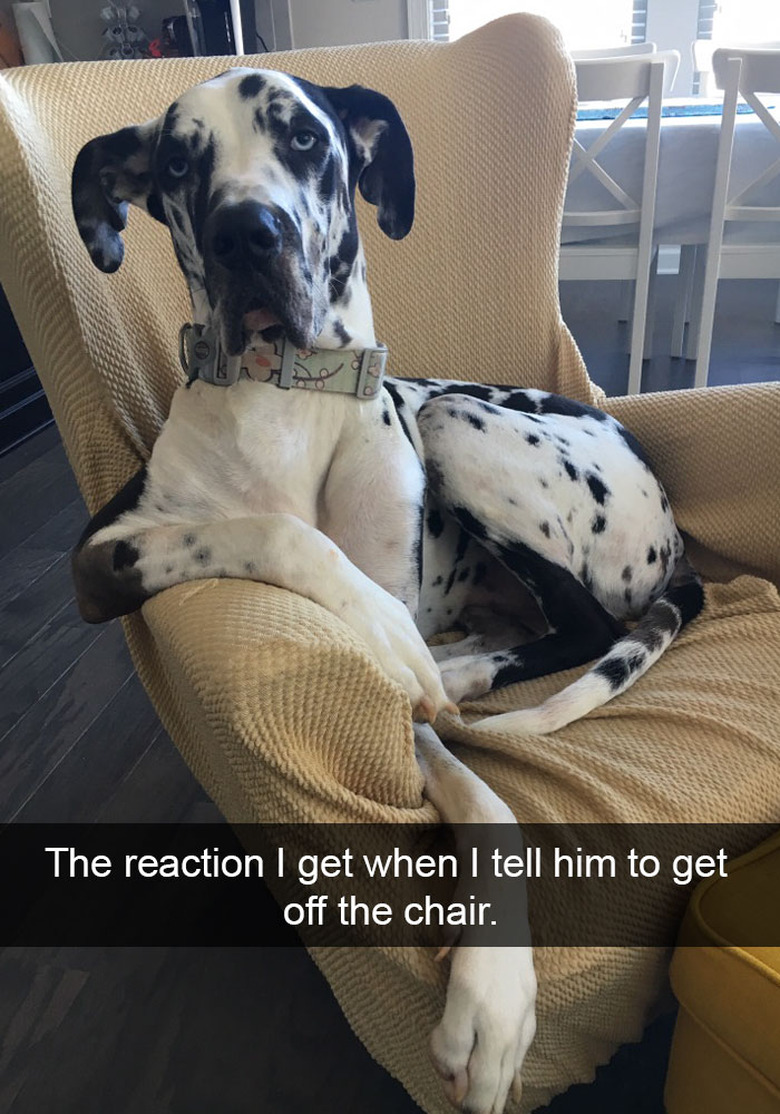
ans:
(110, 172)
(385, 163)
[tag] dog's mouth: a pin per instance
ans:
(261, 321)
(245, 323)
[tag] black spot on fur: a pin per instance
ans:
(687, 598)
(155, 209)
(250, 86)
(462, 546)
(327, 184)
(342, 334)
(125, 556)
(571, 471)
(567, 407)
(519, 400)
(474, 421)
(435, 524)
(652, 556)
(599, 524)
(386, 417)
(488, 407)
(545, 528)
(651, 637)
(464, 574)
(627, 574)
(203, 556)
(618, 670)
(188, 541)
(469, 522)
(666, 555)
(532, 439)
(598, 489)
(398, 402)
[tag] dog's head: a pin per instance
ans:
(254, 172)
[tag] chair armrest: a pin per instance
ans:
(716, 452)
(277, 706)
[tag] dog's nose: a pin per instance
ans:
(243, 235)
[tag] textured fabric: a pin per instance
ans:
(250, 680)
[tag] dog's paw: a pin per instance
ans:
(386, 626)
(467, 677)
(489, 1022)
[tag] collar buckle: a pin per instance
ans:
(201, 356)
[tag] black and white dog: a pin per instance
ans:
(405, 507)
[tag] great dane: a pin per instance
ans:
(405, 507)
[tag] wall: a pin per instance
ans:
(78, 26)
(673, 27)
(334, 22)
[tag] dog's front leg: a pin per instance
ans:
(489, 1018)
(121, 565)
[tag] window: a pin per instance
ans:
(745, 21)
(583, 26)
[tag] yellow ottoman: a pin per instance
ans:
(726, 1051)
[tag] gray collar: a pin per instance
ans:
(344, 371)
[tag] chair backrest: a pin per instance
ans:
(634, 80)
(470, 293)
(703, 50)
(745, 72)
(626, 51)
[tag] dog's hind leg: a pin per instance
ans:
(489, 1018)
(592, 539)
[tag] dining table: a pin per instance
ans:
(686, 174)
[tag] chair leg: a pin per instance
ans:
(652, 289)
(646, 265)
(707, 319)
(694, 326)
(683, 299)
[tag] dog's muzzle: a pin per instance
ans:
(243, 237)
(253, 259)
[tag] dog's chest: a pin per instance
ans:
(251, 450)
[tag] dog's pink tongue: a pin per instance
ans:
(258, 319)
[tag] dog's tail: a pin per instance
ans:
(630, 657)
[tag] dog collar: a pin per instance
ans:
(343, 371)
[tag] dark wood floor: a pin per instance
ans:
(184, 1031)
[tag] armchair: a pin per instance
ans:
(249, 680)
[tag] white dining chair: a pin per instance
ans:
(628, 255)
(703, 50)
(732, 250)
(628, 50)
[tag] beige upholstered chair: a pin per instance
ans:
(276, 706)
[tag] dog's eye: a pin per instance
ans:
(303, 141)
(177, 167)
